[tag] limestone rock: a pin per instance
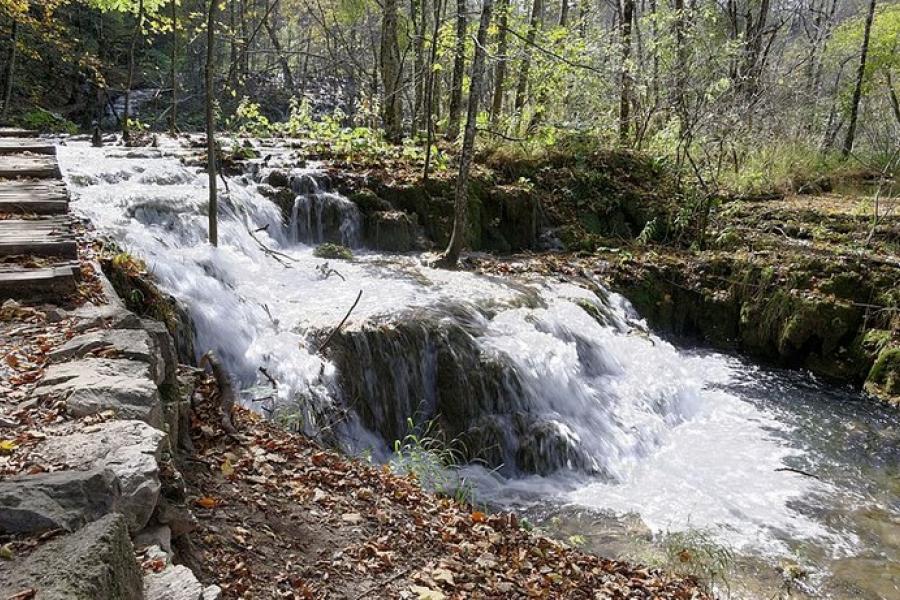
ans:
(130, 449)
(160, 536)
(116, 316)
(93, 385)
(178, 518)
(394, 231)
(133, 344)
(94, 562)
(175, 582)
(63, 500)
(165, 348)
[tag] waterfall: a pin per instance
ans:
(537, 377)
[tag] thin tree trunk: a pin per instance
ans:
(459, 67)
(418, 12)
(680, 65)
(892, 95)
(429, 91)
(173, 118)
(279, 51)
(211, 125)
(390, 73)
(564, 13)
(625, 96)
(461, 205)
(500, 70)
(857, 91)
(126, 129)
(10, 69)
(537, 8)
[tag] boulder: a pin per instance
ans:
(130, 449)
(165, 347)
(94, 385)
(133, 344)
(94, 562)
(63, 500)
(115, 315)
(394, 231)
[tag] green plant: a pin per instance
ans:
(47, 122)
(695, 552)
(432, 460)
(333, 251)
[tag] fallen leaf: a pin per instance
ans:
(206, 502)
(425, 593)
(7, 446)
(227, 468)
(6, 552)
(444, 576)
(479, 517)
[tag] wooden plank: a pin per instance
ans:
(16, 132)
(38, 247)
(58, 223)
(28, 165)
(16, 146)
(36, 207)
(37, 284)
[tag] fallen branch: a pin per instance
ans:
(226, 391)
(799, 472)
(269, 377)
(341, 324)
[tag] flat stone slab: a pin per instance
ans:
(133, 344)
(18, 132)
(130, 449)
(62, 500)
(29, 165)
(93, 563)
(93, 385)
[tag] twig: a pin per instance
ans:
(341, 324)
(271, 379)
(799, 472)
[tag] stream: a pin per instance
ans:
(598, 432)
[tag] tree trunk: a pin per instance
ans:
(564, 13)
(173, 74)
(680, 65)
(500, 70)
(126, 129)
(537, 9)
(390, 73)
(10, 69)
(429, 89)
(857, 90)
(418, 11)
(279, 51)
(892, 96)
(459, 67)
(461, 205)
(625, 96)
(211, 125)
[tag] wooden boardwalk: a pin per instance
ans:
(38, 248)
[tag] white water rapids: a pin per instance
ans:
(665, 436)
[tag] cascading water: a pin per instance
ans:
(556, 385)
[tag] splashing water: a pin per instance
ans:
(579, 403)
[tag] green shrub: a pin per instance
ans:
(47, 122)
(333, 251)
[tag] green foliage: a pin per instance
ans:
(425, 454)
(249, 120)
(47, 122)
(333, 251)
(695, 552)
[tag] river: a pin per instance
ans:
(595, 430)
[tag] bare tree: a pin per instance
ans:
(461, 204)
(459, 67)
(860, 76)
(211, 124)
(500, 69)
(391, 73)
(625, 91)
(10, 69)
(138, 26)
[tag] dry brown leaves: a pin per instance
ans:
(280, 517)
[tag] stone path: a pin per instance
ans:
(33, 222)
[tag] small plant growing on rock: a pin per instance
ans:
(333, 251)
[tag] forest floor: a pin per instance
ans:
(281, 517)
